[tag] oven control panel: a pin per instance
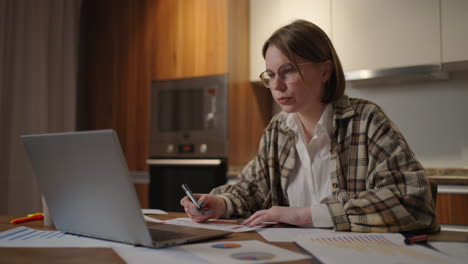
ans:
(186, 149)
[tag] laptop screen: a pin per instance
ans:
(85, 181)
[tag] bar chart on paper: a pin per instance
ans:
(27, 234)
(369, 248)
(28, 237)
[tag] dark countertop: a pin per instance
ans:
(446, 171)
(442, 176)
(447, 176)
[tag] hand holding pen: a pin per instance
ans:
(201, 207)
(192, 198)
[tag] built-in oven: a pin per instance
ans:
(188, 138)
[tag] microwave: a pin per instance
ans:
(189, 117)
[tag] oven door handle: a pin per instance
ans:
(184, 162)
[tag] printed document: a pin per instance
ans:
(290, 234)
(382, 248)
(248, 251)
(216, 224)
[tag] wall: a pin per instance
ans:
(432, 115)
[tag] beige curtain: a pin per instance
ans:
(38, 87)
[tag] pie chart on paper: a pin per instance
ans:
(225, 245)
(253, 256)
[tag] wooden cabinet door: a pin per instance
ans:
(378, 34)
(190, 38)
(454, 15)
(451, 205)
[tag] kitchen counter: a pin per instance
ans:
(452, 196)
(441, 176)
(447, 176)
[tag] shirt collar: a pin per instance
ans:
(325, 123)
(342, 109)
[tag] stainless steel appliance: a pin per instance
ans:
(188, 140)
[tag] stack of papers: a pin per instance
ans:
(351, 247)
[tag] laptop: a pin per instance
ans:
(85, 181)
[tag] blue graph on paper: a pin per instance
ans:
(24, 233)
(28, 237)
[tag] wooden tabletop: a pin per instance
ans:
(107, 255)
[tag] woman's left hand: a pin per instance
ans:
(281, 214)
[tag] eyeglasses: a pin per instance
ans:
(287, 73)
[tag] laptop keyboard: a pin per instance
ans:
(161, 235)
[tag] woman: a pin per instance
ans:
(326, 160)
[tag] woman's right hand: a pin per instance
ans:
(212, 207)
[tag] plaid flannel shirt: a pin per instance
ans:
(376, 181)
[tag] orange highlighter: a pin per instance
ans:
(30, 217)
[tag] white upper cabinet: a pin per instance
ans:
(379, 34)
(454, 15)
(266, 16)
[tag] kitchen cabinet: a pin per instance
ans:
(207, 37)
(130, 43)
(454, 15)
(451, 208)
(189, 38)
(116, 73)
(377, 34)
(199, 38)
(452, 196)
(268, 15)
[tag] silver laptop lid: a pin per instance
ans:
(84, 179)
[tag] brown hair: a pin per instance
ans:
(305, 39)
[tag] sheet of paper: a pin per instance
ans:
(385, 248)
(216, 224)
(152, 219)
(457, 250)
(289, 234)
(248, 251)
(28, 237)
(153, 211)
(143, 255)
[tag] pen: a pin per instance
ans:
(190, 195)
(409, 240)
(30, 217)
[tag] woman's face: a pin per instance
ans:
(296, 95)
